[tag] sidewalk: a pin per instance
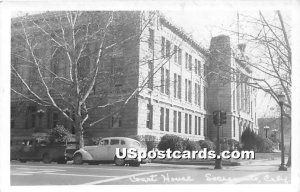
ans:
(255, 162)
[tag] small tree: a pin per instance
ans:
(248, 139)
(59, 134)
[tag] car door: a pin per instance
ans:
(111, 149)
(101, 150)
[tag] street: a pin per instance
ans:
(37, 173)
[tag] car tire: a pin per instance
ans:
(77, 159)
(135, 164)
(119, 161)
(46, 158)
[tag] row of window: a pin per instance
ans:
(177, 121)
(177, 83)
(176, 54)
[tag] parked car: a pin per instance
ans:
(105, 151)
(34, 150)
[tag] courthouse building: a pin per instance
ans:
(177, 98)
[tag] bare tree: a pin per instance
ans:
(68, 60)
(268, 45)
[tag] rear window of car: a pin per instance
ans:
(135, 143)
(114, 142)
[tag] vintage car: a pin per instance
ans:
(35, 150)
(105, 151)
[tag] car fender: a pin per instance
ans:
(85, 155)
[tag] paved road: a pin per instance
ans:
(37, 173)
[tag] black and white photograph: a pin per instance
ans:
(182, 95)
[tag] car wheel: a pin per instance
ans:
(46, 158)
(77, 159)
(135, 164)
(119, 161)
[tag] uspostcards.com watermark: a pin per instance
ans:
(133, 153)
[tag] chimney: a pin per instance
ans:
(220, 50)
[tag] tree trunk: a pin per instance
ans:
(79, 130)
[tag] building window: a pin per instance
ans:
(196, 66)
(190, 124)
(196, 125)
(151, 39)
(186, 60)
(179, 87)
(196, 93)
(179, 122)
(205, 97)
(31, 117)
(167, 120)
(175, 54)
(162, 118)
(199, 125)
(116, 120)
(199, 95)
(233, 100)
(175, 121)
(233, 126)
(55, 119)
(190, 91)
(167, 82)
(162, 80)
(186, 123)
(205, 126)
(168, 47)
(162, 46)
(186, 90)
(149, 116)
(199, 68)
(150, 75)
(117, 74)
(179, 56)
(175, 85)
(190, 62)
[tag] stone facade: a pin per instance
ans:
(230, 91)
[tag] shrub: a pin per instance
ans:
(207, 144)
(149, 141)
(248, 139)
(172, 142)
(59, 134)
(190, 145)
(263, 145)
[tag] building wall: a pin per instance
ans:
(163, 100)
(150, 101)
(230, 95)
